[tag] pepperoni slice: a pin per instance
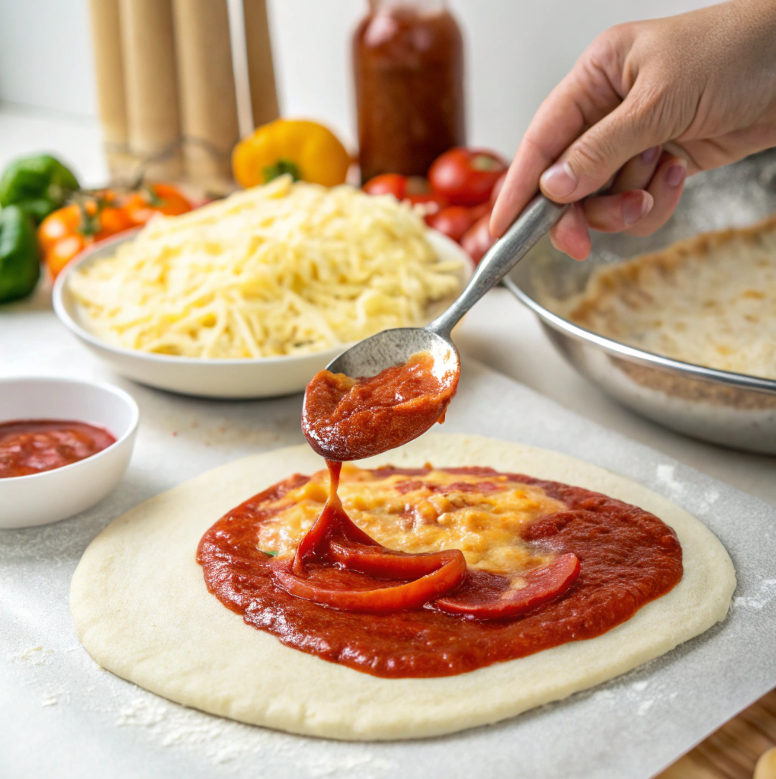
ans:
(382, 563)
(489, 596)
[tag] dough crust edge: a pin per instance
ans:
(190, 649)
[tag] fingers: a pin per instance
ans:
(616, 213)
(608, 213)
(557, 122)
(595, 157)
(637, 172)
(581, 99)
(638, 212)
(571, 234)
(666, 189)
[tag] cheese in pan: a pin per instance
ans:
(287, 268)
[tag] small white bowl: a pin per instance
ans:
(233, 378)
(49, 496)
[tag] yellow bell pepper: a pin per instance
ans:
(307, 150)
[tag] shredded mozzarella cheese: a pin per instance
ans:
(282, 269)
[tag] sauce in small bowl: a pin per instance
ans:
(64, 445)
(30, 446)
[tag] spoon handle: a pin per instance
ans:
(536, 219)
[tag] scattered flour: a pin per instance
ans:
(676, 489)
(224, 742)
(171, 725)
(645, 706)
(35, 655)
(49, 700)
(764, 596)
(666, 477)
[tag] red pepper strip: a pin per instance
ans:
(382, 563)
(542, 585)
(386, 600)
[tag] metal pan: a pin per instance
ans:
(731, 409)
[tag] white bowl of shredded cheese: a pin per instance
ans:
(250, 296)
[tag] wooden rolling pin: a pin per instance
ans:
(109, 73)
(261, 71)
(148, 52)
(207, 91)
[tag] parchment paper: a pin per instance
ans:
(61, 715)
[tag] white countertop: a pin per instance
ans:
(499, 332)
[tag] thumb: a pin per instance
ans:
(588, 164)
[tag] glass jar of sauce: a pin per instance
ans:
(408, 63)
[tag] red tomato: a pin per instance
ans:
(477, 239)
(155, 199)
(466, 177)
(454, 221)
(387, 184)
(432, 204)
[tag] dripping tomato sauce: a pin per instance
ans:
(30, 446)
(627, 556)
(346, 418)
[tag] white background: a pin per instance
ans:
(517, 50)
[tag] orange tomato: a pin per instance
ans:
(112, 220)
(57, 225)
(64, 250)
(156, 199)
(68, 231)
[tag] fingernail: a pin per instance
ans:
(559, 180)
(676, 174)
(648, 156)
(635, 206)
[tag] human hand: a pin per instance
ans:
(646, 105)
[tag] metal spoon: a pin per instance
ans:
(394, 347)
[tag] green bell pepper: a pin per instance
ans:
(19, 254)
(38, 184)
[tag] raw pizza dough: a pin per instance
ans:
(142, 611)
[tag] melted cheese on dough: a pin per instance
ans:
(276, 270)
(485, 524)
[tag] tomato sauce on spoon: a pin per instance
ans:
(348, 419)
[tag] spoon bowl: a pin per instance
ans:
(394, 347)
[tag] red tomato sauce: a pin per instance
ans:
(626, 557)
(29, 446)
(408, 67)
